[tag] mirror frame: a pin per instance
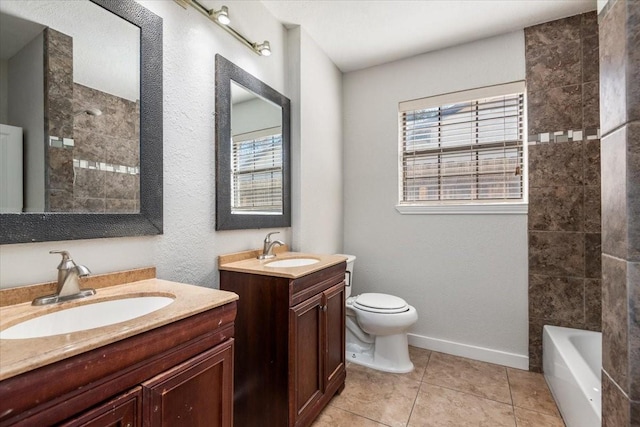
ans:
(50, 226)
(226, 72)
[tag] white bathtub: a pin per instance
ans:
(572, 361)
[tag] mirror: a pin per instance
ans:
(81, 114)
(252, 151)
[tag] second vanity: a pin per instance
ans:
(173, 366)
(290, 355)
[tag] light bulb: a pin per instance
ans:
(222, 16)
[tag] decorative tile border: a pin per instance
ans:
(89, 164)
(58, 142)
(564, 136)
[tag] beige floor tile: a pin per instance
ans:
(438, 406)
(380, 396)
(469, 376)
(529, 390)
(336, 417)
(420, 358)
(527, 418)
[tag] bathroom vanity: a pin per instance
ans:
(173, 366)
(290, 354)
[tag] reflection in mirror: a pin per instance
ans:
(252, 151)
(100, 121)
(69, 109)
(256, 154)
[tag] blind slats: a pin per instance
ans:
(256, 172)
(469, 150)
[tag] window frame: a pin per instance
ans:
(463, 206)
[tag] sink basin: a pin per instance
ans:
(292, 262)
(83, 317)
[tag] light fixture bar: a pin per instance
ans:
(262, 49)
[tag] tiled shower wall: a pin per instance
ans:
(562, 74)
(620, 83)
(93, 162)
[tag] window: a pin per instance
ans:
(463, 148)
(256, 172)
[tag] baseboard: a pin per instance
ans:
(482, 354)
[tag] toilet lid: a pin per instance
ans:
(380, 303)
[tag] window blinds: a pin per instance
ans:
(452, 149)
(256, 169)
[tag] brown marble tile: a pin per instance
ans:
(121, 185)
(559, 299)
(389, 402)
(527, 418)
(553, 54)
(614, 320)
(336, 417)
(556, 208)
(85, 205)
(60, 169)
(592, 255)
(635, 413)
(529, 390)
(89, 146)
(59, 201)
(633, 186)
(589, 25)
(593, 304)
(591, 105)
(120, 206)
(558, 164)
(554, 109)
(123, 152)
(615, 405)
(535, 343)
(437, 406)
(633, 282)
(556, 253)
(590, 58)
(90, 183)
(591, 162)
(592, 209)
(613, 63)
(614, 193)
(468, 376)
(633, 66)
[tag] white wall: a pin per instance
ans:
(4, 82)
(188, 250)
(26, 97)
(316, 104)
(466, 275)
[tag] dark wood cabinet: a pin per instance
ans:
(290, 355)
(177, 374)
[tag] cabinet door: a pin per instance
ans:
(305, 359)
(196, 393)
(123, 411)
(334, 312)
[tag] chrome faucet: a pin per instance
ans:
(267, 249)
(68, 287)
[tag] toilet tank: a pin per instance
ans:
(348, 276)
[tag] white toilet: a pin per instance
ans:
(377, 328)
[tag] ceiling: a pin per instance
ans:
(358, 34)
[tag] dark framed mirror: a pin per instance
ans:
(128, 179)
(253, 182)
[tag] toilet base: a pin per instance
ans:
(388, 353)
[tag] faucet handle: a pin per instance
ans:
(268, 238)
(66, 262)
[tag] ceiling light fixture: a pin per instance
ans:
(221, 17)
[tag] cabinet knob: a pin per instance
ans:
(323, 307)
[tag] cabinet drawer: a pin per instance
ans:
(312, 284)
(122, 411)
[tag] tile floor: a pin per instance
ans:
(443, 390)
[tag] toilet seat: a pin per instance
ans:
(380, 303)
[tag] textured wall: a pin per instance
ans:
(620, 115)
(564, 177)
